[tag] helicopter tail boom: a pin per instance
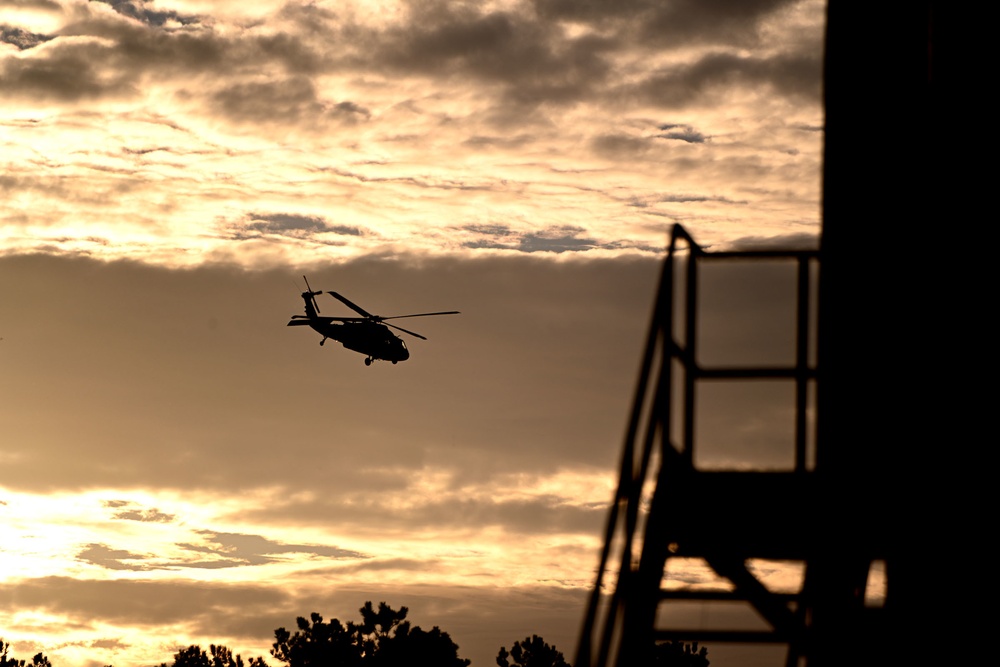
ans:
(304, 321)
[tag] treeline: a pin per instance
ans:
(383, 638)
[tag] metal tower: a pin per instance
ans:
(674, 502)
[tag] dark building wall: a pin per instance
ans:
(891, 210)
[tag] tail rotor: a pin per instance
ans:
(311, 294)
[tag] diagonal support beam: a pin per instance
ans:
(767, 604)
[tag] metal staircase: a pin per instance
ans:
(677, 504)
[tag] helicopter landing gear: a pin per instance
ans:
(368, 361)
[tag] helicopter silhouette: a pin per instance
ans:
(368, 334)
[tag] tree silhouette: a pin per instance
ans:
(533, 652)
(383, 639)
(221, 656)
(316, 644)
(378, 628)
(415, 646)
(679, 654)
(38, 660)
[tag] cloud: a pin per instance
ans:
(682, 133)
(415, 565)
(683, 199)
(682, 86)
(618, 145)
(796, 240)
(62, 72)
(564, 238)
(20, 38)
(494, 230)
(112, 559)
(131, 513)
(280, 227)
(350, 109)
(238, 549)
(485, 142)
(399, 513)
(143, 603)
(291, 101)
(556, 239)
(146, 516)
(36, 5)
(674, 23)
(560, 239)
(534, 60)
(293, 224)
(139, 10)
(214, 551)
(718, 21)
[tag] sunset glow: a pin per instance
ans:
(180, 467)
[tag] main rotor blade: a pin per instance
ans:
(353, 306)
(444, 312)
(412, 333)
(326, 320)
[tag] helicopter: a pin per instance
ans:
(368, 334)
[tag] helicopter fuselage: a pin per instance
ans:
(369, 338)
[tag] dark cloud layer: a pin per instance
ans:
(527, 52)
(144, 603)
(716, 74)
(191, 380)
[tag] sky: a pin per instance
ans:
(180, 467)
